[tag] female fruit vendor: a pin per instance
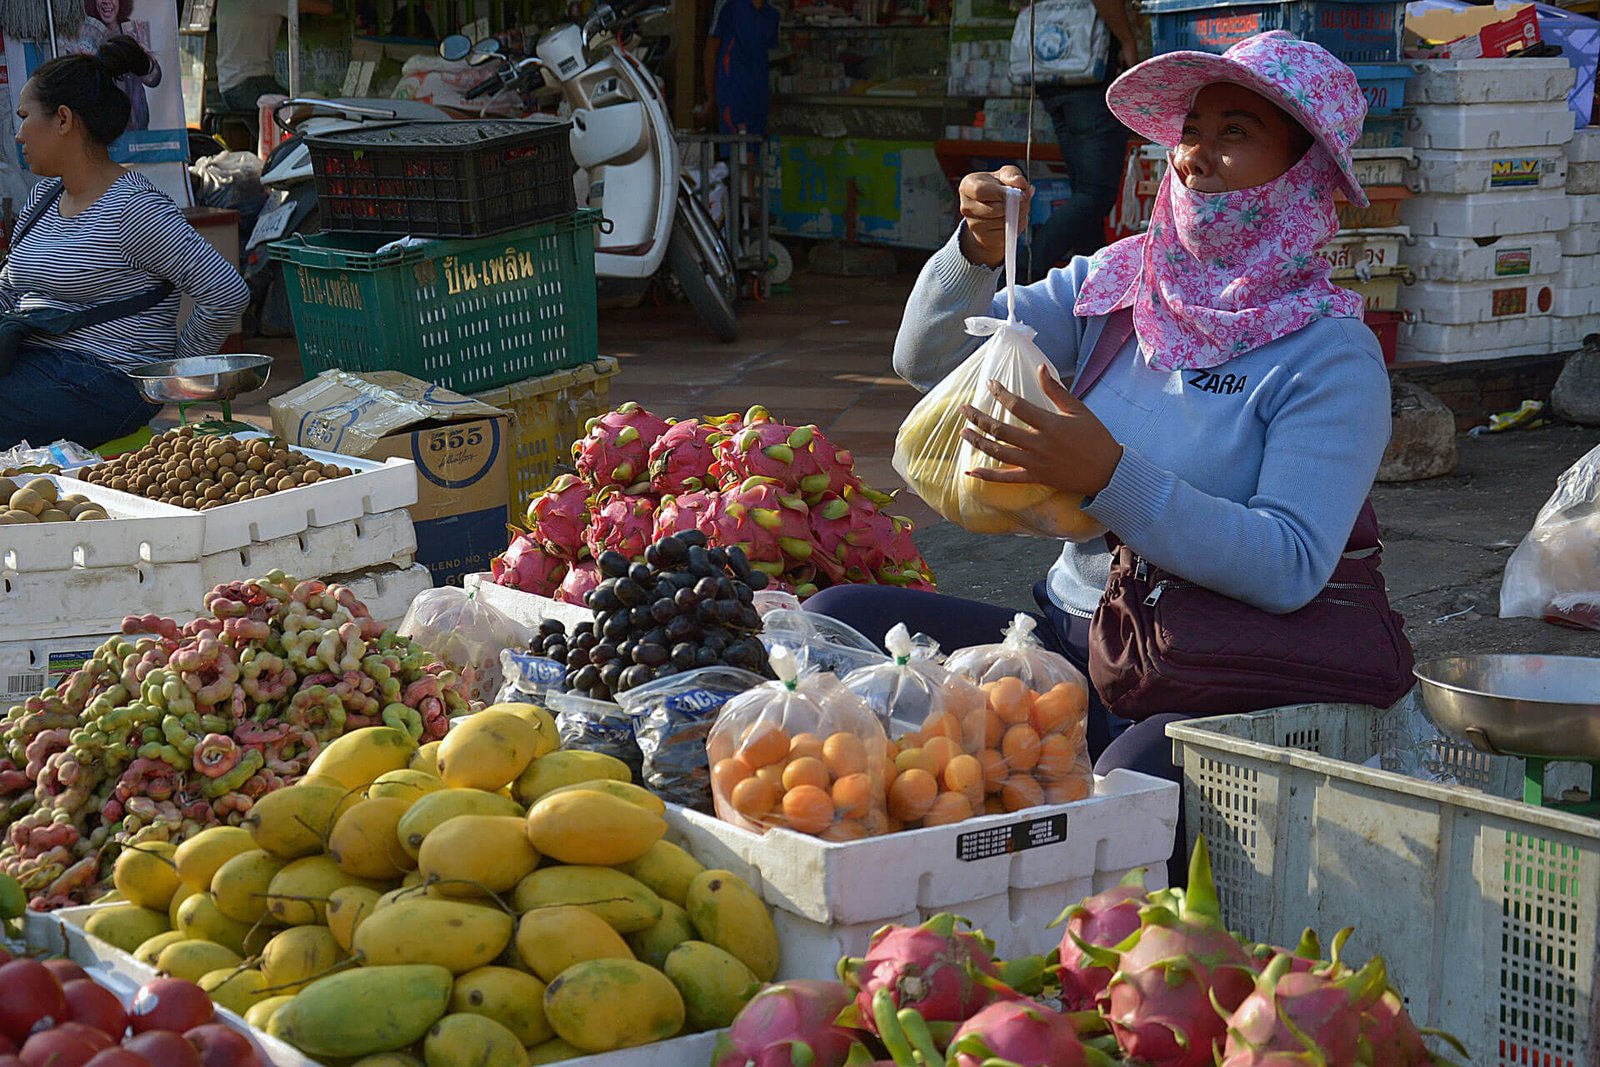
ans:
(1236, 433)
(99, 258)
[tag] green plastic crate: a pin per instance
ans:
(470, 314)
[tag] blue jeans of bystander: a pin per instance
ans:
(55, 394)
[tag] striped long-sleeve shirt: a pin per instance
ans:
(129, 241)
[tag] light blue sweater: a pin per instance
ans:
(1245, 479)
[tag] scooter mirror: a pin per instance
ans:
(455, 47)
(485, 49)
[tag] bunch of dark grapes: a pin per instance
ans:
(685, 607)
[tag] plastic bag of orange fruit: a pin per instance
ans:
(802, 753)
(1031, 734)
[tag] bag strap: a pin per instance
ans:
(1113, 335)
(137, 304)
(21, 229)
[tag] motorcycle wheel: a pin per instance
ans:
(706, 275)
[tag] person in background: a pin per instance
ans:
(743, 34)
(247, 46)
(1093, 147)
(91, 236)
(114, 16)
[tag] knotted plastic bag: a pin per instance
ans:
(465, 633)
(672, 717)
(1554, 573)
(802, 753)
(1035, 723)
(819, 642)
(932, 457)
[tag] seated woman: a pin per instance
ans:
(1249, 488)
(98, 260)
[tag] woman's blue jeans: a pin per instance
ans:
(1094, 148)
(53, 394)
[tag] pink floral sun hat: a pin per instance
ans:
(1304, 79)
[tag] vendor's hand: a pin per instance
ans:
(983, 211)
(1128, 52)
(1067, 448)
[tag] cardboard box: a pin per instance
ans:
(460, 446)
(1471, 33)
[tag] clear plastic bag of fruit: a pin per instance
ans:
(1033, 730)
(465, 633)
(597, 726)
(528, 678)
(933, 457)
(672, 718)
(803, 754)
(819, 642)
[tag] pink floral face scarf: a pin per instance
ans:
(1220, 274)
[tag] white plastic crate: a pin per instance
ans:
(1489, 125)
(1577, 303)
(387, 591)
(1432, 342)
(138, 531)
(1365, 253)
(1567, 335)
(30, 665)
(1483, 907)
(1490, 81)
(368, 541)
(1578, 272)
(527, 608)
(1380, 292)
(1584, 146)
(1581, 234)
(1583, 179)
(40, 604)
(1010, 874)
(1459, 303)
(1381, 166)
(1493, 170)
(1487, 214)
(1462, 259)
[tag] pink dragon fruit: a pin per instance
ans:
(767, 521)
(686, 511)
(681, 459)
(934, 968)
(1307, 955)
(789, 1025)
(1312, 1014)
(847, 531)
(622, 523)
(1105, 919)
(799, 457)
(1389, 1037)
(525, 565)
(559, 516)
(579, 583)
(616, 446)
(1170, 972)
(1019, 1032)
(903, 564)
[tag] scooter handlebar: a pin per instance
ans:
(484, 88)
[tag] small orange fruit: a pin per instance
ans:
(753, 799)
(994, 770)
(807, 770)
(964, 775)
(912, 794)
(764, 744)
(1010, 699)
(1020, 747)
(1021, 791)
(806, 744)
(942, 724)
(845, 830)
(1067, 790)
(941, 750)
(948, 808)
(993, 805)
(772, 774)
(844, 754)
(913, 759)
(853, 796)
(1053, 710)
(807, 809)
(1057, 758)
(728, 773)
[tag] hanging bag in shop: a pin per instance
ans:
(1059, 42)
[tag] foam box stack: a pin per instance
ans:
(1490, 137)
(1577, 299)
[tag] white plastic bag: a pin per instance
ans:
(933, 458)
(1059, 42)
(465, 633)
(1554, 574)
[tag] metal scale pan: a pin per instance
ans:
(202, 379)
(1517, 705)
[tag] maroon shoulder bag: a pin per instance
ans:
(1158, 643)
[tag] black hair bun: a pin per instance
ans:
(123, 55)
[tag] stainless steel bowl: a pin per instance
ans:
(1516, 705)
(184, 381)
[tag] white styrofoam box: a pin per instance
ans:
(1456, 303)
(1488, 125)
(35, 604)
(1482, 906)
(1584, 146)
(138, 531)
(386, 591)
(1487, 214)
(1583, 179)
(29, 666)
(1568, 334)
(1490, 170)
(529, 609)
(1578, 272)
(1432, 342)
(317, 551)
(1381, 166)
(1365, 253)
(1010, 874)
(1576, 303)
(1581, 235)
(1462, 259)
(1490, 81)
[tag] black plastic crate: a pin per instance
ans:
(467, 178)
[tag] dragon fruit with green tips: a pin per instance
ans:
(859, 542)
(559, 516)
(622, 523)
(682, 458)
(800, 458)
(1104, 920)
(791, 1024)
(615, 448)
(1313, 1015)
(768, 521)
(685, 511)
(1020, 1032)
(940, 971)
(580, 581)
(525, 565)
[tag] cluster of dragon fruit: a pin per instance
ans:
(169, 729)
(784, 494)
(1154, 979)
